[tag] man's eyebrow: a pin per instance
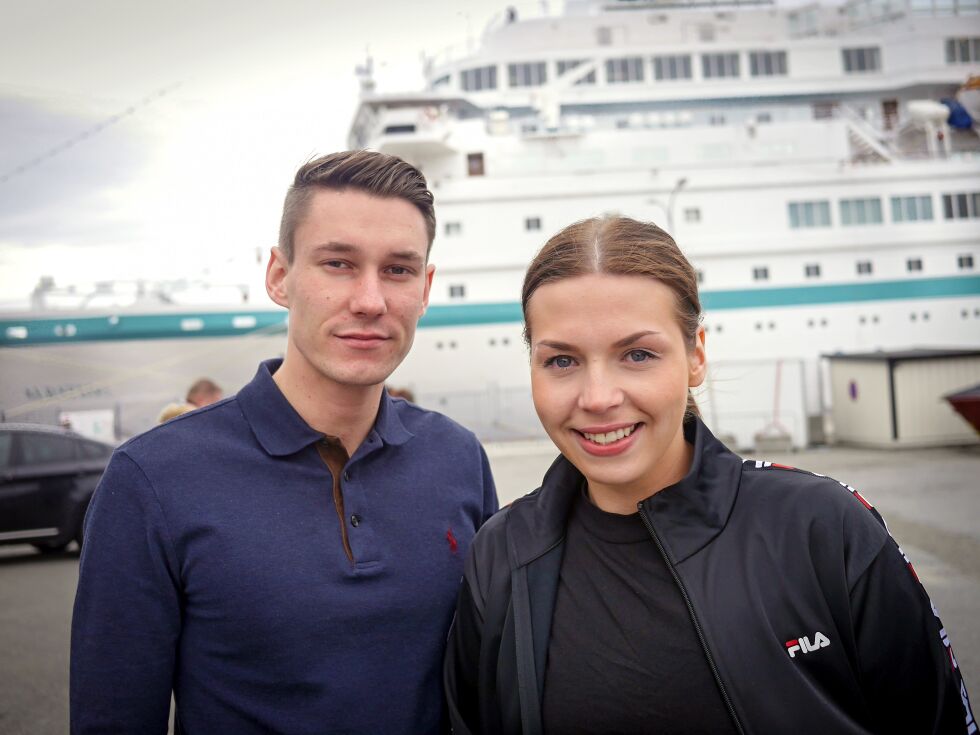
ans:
(410, 255)
(335, 247)
(346, 248)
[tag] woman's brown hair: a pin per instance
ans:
(618, 246)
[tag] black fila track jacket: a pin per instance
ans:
(811, 618)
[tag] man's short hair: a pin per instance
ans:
(374, 173)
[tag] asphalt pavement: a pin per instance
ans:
(930, 499)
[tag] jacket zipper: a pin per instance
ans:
(694, 619)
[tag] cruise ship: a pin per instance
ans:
(818, 164)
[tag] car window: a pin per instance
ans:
(43, 449)
(6, 442)
(92, 450)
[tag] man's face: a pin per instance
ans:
(356, 288)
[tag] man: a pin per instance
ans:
(287, 560)
(203, 393)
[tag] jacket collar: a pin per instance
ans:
(686, 515)
(689, 514)
(282, 431)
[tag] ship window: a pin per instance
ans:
(625, 69)
(530, 74)
(671, 67)
(603, 35)
(474, 164)
(912, 209)
(964, 262)
(719, 65)
(532, 223)
(692, 214)
(864, 268)
(716, 120)
(962, 50)
(860, 211)
(913, 264)
(812, 270)
(962, 205)
(479, 78)
(763, 117)
(767, 63)
(569, 64)
(457, 290)
(398, 129)
(760, 273)
(453, 228)
(861, 60)
(809, 214)
(824, 110)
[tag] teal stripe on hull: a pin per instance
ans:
(139, 326)
(14, 333)
(914, 288)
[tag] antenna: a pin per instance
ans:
(365, 72)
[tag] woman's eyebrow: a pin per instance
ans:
(555, 345)
(634, 337)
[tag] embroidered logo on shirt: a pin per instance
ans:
(805, 645)
(453, 543)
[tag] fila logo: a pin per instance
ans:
(805, 645)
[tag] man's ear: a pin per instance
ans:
(275, 277)
(429, 271)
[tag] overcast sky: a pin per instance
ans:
(218, 102)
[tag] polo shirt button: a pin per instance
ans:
(355, 520)
(346, 476)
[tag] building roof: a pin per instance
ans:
(920, 353)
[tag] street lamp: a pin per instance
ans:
(669, 207)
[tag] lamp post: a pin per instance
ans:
(668, 208)
(681, 183)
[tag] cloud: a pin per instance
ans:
(72, 193)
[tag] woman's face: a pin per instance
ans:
(610, 372)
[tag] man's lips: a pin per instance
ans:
(362, 340)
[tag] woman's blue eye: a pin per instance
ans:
(562, 362)
(639, 355)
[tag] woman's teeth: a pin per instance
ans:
(610, 436)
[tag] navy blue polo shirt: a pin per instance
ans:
(213, 566)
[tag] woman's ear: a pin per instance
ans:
(697, 360)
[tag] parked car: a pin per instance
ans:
(47, 476)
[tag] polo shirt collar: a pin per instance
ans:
(282, 431)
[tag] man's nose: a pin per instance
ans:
(368, 298)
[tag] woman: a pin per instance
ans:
(658, 583)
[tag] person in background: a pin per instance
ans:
(203, 392)
(173, 410)
(287, 559)
(656, 582)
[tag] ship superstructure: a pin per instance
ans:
(801, 157)
(818, 164)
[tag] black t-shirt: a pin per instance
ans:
(624, 656)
